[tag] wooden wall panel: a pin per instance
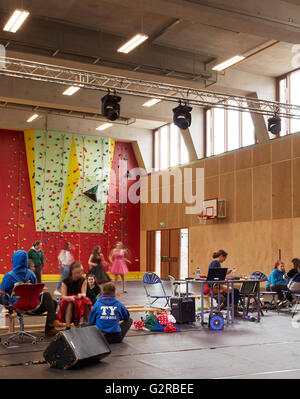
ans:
(281, 150)
(227, 191)
(211, 166)
(296, 145)
(227, 163)
(211, 187)
(243, 199)
(296, 187)
(281, 190)
(261, 154)
(262, 192)
(281, 238)
(295, 238)
(263, 207)
(243, 158)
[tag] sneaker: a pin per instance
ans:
(56, 292)
(58, 323)
(51, 332)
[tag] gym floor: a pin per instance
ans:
(244, 350)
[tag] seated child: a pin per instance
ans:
(92, 289)
(110, 315)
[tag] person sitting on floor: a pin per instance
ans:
(218, 258)
(110, 315)
(92, 289)
(73, 303)
(21, 274)
(278, 283)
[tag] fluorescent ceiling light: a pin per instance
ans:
(104, 126)
(132, 43)
(16, 20)
(32, 118)
(228, 63)
(151, 102)
(71, 90)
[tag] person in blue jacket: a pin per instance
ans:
(21, 274)
(278, 283)
(110, 315)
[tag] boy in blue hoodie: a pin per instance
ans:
(21, 274)
(110, 315)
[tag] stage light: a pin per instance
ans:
(133, 43)
(274, 125)
(111, 106)
(182, 117)
(16, 20)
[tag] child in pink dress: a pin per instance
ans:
(119, 263)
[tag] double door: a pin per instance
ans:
(163, 252)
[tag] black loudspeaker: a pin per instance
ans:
(77, 347)
(183, 309)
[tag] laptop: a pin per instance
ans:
(218, 274)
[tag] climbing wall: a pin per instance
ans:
(40, 200)
(62, 167)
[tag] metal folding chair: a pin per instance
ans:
(149, 280)
(257, 275)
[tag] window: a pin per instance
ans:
(295, 99)
(227, 130)
(288, 87)
(208, 133)
(169, 147)
(174, 146)
(164, 147)
(219, 130)
(247, 130)
(233, 129)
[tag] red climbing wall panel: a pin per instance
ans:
(17, 229)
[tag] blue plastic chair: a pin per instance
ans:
(150, 279)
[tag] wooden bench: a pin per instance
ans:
(13, 326)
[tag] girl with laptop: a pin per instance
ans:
(218, 258)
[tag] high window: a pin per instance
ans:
(228, 130)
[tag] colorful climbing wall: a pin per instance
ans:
(19, 192)
(62, 167)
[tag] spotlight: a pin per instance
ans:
(111, 106)
(274, 125)
(182, 117)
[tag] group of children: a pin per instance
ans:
(92, 299)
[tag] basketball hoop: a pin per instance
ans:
(202, 218)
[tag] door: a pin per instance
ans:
(163, 253)
(170, 253)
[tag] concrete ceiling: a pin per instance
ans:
(186, 36)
